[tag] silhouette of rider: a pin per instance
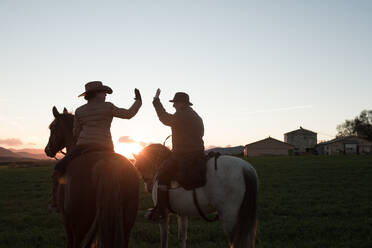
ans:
(187, 141)
(91, 128)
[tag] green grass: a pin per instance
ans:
(311, 201)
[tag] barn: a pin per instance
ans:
(268, 146)
(345, 145)
(303, 140)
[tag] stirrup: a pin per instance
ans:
(154, 214)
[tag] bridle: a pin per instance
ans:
(60, 151)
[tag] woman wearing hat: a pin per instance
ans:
(92, 124)
(187, 142)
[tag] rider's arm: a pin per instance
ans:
(164, 117)
(126, 113)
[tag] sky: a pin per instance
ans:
(253, 69)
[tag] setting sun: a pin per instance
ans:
(127, 149)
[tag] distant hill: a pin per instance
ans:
(30, 153)
(22, 154)
(8, 153)
(29, 150)
(235, 150)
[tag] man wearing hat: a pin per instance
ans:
(187, 142)
(92, 122)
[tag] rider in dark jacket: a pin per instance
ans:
(187, 141)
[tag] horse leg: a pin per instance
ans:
(229, 216)
(82, 222)
(67, 224)
(182, 230)
(164, 232)
(130, 213)
(229, 227)
(69, 233)
(79, 233)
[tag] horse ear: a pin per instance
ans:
(55, 112)
(65, 111)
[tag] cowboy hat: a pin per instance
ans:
(181, 97)
(95, 86)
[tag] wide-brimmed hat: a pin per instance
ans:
(181, 97)
(96, 86)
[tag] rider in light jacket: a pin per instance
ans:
(91, 128)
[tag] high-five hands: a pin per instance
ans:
(137, 95)
(157, 94)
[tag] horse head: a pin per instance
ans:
(149, 161)
(60, 132)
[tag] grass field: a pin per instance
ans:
(311, 201)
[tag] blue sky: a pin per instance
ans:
(253, 69)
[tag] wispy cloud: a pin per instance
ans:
(11, 142)
(126, 139)
(15, 122)
(129, 140)
(279, 109)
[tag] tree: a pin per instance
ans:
(360, 126)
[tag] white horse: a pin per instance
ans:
(231, 191)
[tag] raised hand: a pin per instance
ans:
(137, 95)
(157, 94)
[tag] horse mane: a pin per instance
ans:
(156, 148)
(154, 152)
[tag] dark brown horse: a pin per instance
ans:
(98, 195)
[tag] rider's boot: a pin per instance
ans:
(159, 212)
(53, 207)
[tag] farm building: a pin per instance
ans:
(345, 145)
(302, 139)
(268, 146)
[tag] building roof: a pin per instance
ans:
(348, 139)
(301, 130)
(271, 141)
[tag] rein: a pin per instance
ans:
(57, 153)
(166, 139)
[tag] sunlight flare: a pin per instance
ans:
(127, 149)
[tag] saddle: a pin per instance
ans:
(192, 172)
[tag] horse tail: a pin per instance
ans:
(245, 229)
(107, 228)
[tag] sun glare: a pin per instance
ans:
(127, 149)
